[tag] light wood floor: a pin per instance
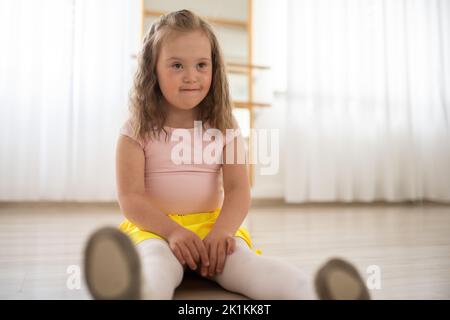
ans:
(409, 243)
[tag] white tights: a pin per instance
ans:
(245, 272)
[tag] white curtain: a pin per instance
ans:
(65, 72)
(368, 100)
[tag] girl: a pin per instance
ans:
(177, 215)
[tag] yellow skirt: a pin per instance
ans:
(199, 223)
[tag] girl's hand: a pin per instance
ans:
(188, 247)
(218, 244)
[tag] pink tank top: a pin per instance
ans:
(180, 188)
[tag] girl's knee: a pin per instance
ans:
(240, 261)
(153, 246)
(156, 254)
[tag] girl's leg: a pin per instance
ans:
(263, 278)
(161, 270)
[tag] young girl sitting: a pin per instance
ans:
(188, 212)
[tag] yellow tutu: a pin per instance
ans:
(199, 223)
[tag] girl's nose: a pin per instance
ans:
(189, 76)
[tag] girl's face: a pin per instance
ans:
(184, 69)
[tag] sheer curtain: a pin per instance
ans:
(368, 100)
(65, 72)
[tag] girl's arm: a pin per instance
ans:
(236, 189)
(220, 241)
(137, 208)
(135, 205)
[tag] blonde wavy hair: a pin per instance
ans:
(146, 112)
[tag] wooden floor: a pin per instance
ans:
(409, 243)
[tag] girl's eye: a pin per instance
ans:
(177, 66)
(202, 65)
